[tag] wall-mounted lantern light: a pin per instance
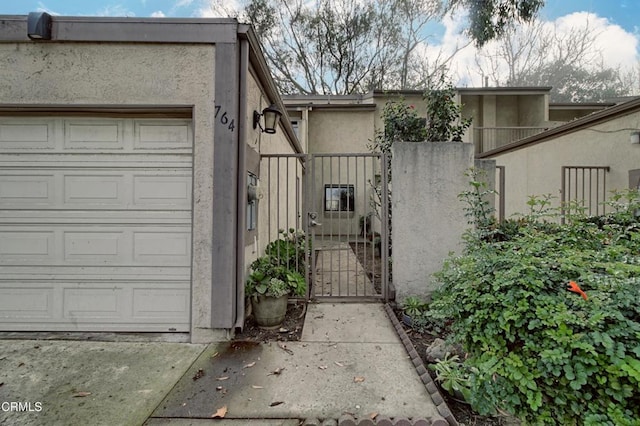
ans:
(634, 138)
(271, 117)
(39, 26)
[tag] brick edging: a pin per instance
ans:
(432, 388)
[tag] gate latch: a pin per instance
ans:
(312, 219)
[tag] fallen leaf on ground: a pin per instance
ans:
(222, 378)
(274, 404)
(198, 374)
(81, 394)
(323, 367)
(215, 355)
(358, 379)
(373, 415)
(21, 364)
(338, 364)
(257, 387)
(284, 348)
(220, 413)
(283, 330)
(276, 372)
(251, 364)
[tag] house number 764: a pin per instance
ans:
(224, 118)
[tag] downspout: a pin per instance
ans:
(242, 182)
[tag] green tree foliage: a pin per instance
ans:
(574, 83)
(489, 18)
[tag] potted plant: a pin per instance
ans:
(274, 277)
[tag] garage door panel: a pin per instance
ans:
(115, 245)
(96, 189)
(78, 275)
(27, 191)
(27, 246)
(91, 247)
(95, 224)
(20, 302)
(93, 303)
(89, 190)
(155, 135)
(26, 135)
(97, 217)
(100, 305)
(162, 190)
(94, 134)
(162, 248)
(161, 304)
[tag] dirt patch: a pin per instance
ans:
(461, 410)
(370, 261)
(291, 329)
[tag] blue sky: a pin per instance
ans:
(621, 12)
(614, 21)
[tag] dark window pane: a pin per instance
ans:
(339, 198)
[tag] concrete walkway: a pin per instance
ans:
(338, 271)
(350, 362)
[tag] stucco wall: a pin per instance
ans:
(536, 169)
(428, 218)
(342, 132)
(131, 74)
(280, 180)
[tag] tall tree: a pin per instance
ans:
(539, 54)
(342, 46)
(353, 46)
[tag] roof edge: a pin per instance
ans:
(570, 127)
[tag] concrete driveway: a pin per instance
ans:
(87, 383)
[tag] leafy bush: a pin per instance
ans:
(453, 376)
(535, 349)
(281, 270)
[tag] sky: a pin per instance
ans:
(615, 22)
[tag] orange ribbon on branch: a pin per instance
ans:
(574, 287)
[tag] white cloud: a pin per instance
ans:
(217, 8)
(115, 10)
(619, 47)
(43, 8)
(158, 14)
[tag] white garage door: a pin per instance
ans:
(95, 224)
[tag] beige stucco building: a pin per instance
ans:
(125, 151)
(136, 185)
(580, 161)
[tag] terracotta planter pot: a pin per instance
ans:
(269, 312)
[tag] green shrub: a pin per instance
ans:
(281, 270)
(535, 349)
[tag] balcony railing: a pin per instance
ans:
(488, 138)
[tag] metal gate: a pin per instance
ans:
(340, 203)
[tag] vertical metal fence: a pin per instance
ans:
(340, 202)
(584, 189)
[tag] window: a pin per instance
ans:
(252, 206)
(339, 198)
